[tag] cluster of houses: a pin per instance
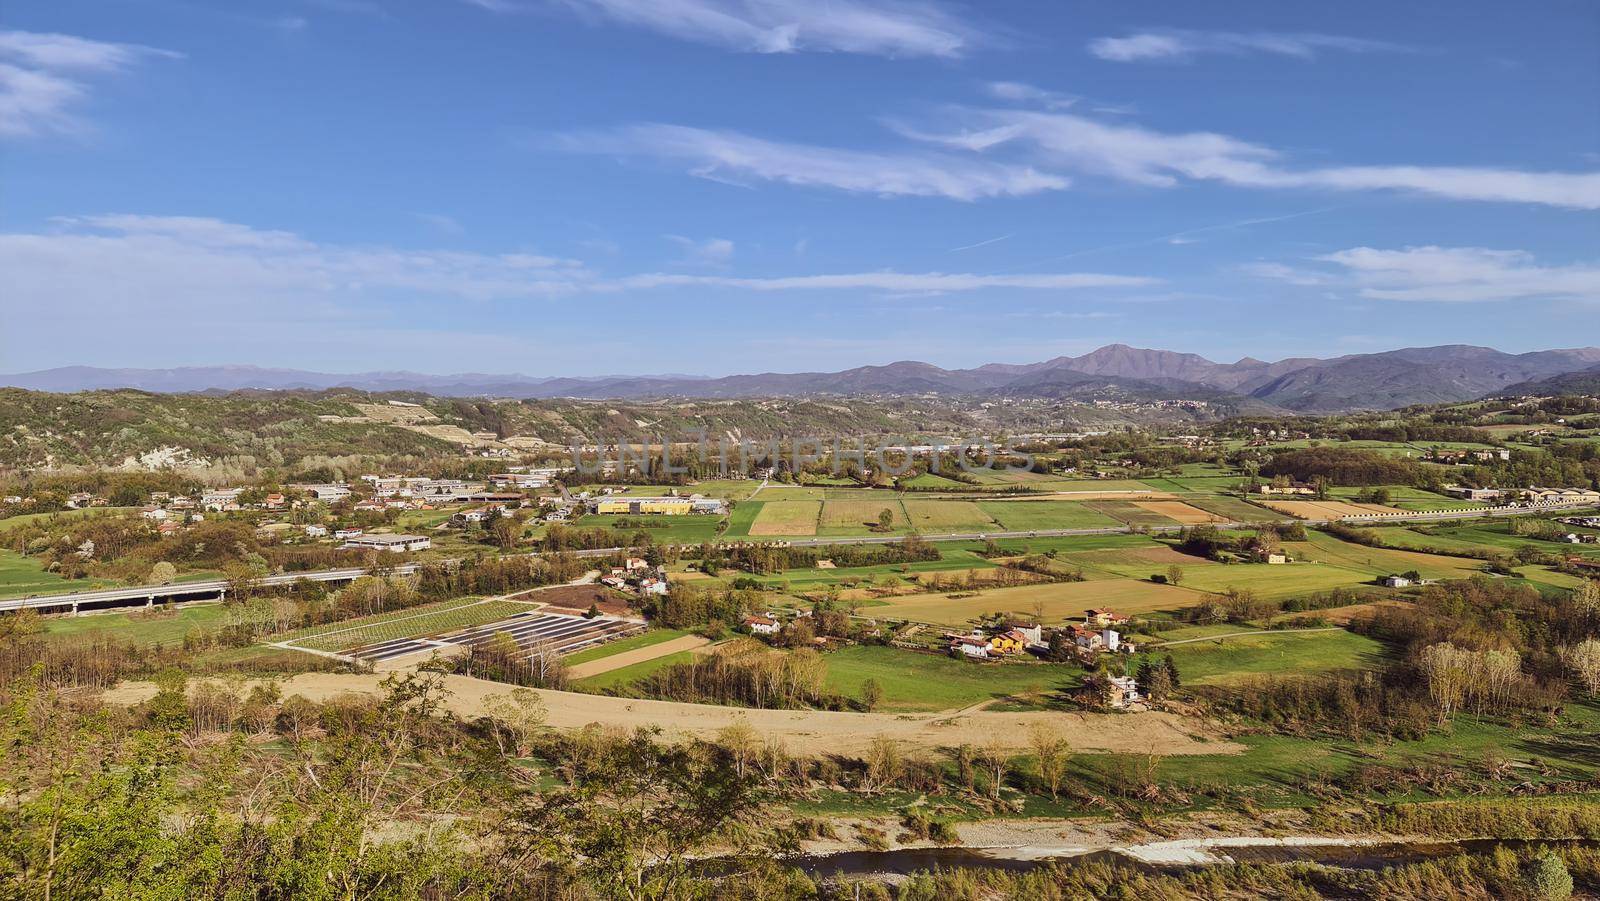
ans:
(1096, 635)
(1457, 457)
(637, 575)
(1292, 489)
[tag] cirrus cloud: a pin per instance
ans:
(1178, 45)
(44, 76)
(1435, 274)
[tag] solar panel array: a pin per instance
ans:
(560, 631)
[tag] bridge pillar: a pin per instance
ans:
(74, 608)
(150, 601)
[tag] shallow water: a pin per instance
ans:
(1374, 856)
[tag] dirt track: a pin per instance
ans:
(804, 731)
(637, 655)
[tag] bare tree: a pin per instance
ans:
(1051, 753)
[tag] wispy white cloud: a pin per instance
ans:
(897, 282)
(739, 158)
(162, 268)
(1057, 141)
(1018, 92)
(1177, 45)
(43, 76)
(893, 28)
(1442, 275)
(709, 252)
(984, 243)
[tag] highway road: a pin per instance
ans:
(145, 595)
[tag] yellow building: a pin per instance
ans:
(667, 506)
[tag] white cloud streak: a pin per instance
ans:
(1441, 275)
(739, 158)
(160, 266)
(43, 76)
(710, 252)
(892, 28)
(1181, 46)
(1067, 141)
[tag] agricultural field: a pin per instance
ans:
(1179, 512)
(1226, 659)
(623, 645)
(743, 514)
(1231, 508)
(1274, 582)
(1407, 498)
(1028, 515)
(688, 529)
(1133, 513)
(935, 516)
(786, 518)
(623, 676)
(915, 681)
(1325, 548)
(1331, 509)
(431, 619)
(859, 517)
(1061, 602)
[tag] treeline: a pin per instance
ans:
(747, 673)
(1479, 646)
(768, 559)
(1344, 466)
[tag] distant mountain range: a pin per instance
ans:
(1375, 381)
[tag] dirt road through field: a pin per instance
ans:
(637, 655)
(804, 731)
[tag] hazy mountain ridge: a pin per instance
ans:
(1382, 380)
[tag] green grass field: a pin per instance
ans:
(628, 674)
(1223, 660)
(935, 516)
(691, 529)
(857, 517)
(1326, 548)
(1274, 582)
(429, 619)
(786, 519)
(1062, 602)
(744, 513)
(159, 626)
(1022, 516)
(21, 576)
(28, 518)
(632, 642)
(918, 681)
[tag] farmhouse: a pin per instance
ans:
(761, 625)
(394, 543)
(1101, 617)
(1294, 489)
(1396, 582)
(970, 646)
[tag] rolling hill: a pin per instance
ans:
(1376, 381)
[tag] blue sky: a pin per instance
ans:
(583, 187)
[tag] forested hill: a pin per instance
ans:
(140, 428)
